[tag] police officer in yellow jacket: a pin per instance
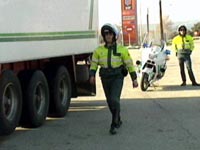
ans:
(183, 45)
(115, 62)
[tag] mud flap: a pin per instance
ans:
(84, 88)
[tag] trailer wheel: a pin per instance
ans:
(10, 102)
(36, 100)
(60, 89)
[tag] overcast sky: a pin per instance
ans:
(177, 10)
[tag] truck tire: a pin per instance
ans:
(10, 102)
(36, 101)
(60, 93)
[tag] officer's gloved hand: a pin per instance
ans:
(135, 84)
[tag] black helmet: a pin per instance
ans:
(181, 27)
(111, 28)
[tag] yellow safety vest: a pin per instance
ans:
(181, 43)
(101, 54)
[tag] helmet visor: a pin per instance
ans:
(107, 32)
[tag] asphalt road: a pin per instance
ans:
(166, 117)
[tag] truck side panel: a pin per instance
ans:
(49, 28)
(45, 49)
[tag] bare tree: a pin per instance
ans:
(167, 27)
(196, 29)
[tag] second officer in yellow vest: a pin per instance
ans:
(183, 45)
(115, 62)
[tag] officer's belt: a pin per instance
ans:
(184, 51)
(112, 69)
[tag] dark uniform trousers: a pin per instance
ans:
(184, 58)
(112, 82)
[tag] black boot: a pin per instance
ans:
(113, 130)
(183, 84)
(113, 124)
(118, 121)
(195, 84)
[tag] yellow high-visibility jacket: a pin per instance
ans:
(101, 58)
(180, 43)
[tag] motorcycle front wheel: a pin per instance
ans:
(144, 82)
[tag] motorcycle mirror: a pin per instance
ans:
(167, 52)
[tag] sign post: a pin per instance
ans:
(129, 30)
(129, 22)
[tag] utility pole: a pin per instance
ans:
(161, 21)
(148, 20)
(140, 31)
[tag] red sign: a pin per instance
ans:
(129, 22)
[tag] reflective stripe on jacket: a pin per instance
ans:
(180, 43)
(101, 54)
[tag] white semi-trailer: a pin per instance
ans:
(45, 46)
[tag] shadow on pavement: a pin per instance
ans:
(178, 88)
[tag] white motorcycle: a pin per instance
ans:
(153, 65)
